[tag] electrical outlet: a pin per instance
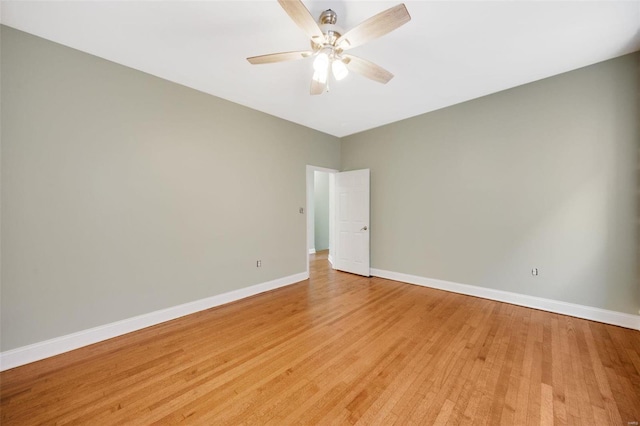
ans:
(259, 264)
(534, 272)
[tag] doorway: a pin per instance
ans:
(320, 211)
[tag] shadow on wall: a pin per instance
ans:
(632, 45)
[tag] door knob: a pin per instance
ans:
(365, 228)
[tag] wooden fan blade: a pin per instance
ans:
(317, 88)
(374, 27)
(301, 16)
(279, 57)
(367, 69)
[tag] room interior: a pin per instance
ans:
(146, 166)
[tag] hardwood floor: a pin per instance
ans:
(342, 349)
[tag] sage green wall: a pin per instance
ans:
(123, 193)
(544, 175)
(321, 206)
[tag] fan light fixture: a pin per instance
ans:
(321, 62)
(325, 57)
(320, 76)
(339, 69)
(329, 43)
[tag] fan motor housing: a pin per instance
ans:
(328, 17)
(327, 24)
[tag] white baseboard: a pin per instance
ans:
(330, 259)
(580, 311)
(37, 351)
(312, 251)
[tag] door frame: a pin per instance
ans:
(310, 205)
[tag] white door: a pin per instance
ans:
(352, 230)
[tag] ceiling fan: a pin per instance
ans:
(329, 42)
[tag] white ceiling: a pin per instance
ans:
(448, 53)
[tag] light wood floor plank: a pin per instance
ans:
(341, 349)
